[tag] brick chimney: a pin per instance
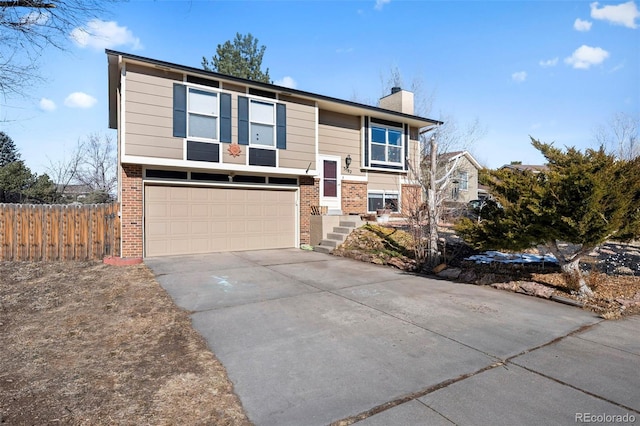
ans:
(398, 100)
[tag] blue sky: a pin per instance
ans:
(550, 69)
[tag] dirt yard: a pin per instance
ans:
(91, 344)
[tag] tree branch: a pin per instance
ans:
(27, 3)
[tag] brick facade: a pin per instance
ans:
(354, 197)
(309, 196)
(131, 210)
(411, 198)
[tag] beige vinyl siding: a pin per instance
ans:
(339, 135)
(149, 114)
(383, 181)
(337, 119)
(151, 146)
(471, 193)
(296, 100)
(234, 87)
(301, 145)
(414, 157)
(230, 159)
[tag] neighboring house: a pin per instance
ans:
(463, 184)
(73, 192)
(533, 168)
(209, 162)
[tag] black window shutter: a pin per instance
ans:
(243, 120)
(281, 126)
(366, 142)
(179, 111)
(406, 146)
(225, 117)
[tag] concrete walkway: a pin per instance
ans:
(311, 339)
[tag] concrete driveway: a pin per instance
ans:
(311, 339)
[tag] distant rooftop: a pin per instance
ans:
(535, 168)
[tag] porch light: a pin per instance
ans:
(347, 162)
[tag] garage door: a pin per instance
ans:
(183, 220)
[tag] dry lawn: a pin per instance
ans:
(91, 344)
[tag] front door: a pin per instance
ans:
(330, 183)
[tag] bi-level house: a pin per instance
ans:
(210, 162)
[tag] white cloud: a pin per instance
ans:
(380, 4)
(286, 82)
(549, 63)
(80, 100)
(585, 56)
(101, 35)
(47, 105)
(622, 14)
(580, 25)
(519, 76)
(35, 18)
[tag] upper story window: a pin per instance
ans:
(386, 144)
(203, 112)
(463, 181)
(262, 122)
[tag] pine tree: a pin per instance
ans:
(583, 199)
(240, 58)
(8, 151)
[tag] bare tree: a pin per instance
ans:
(434, 173)
(620, 136)
(97, 169)
(28, 27)
(65, 170)
(423, 100)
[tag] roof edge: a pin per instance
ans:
(288, 90)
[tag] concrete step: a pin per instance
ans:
(336, 236)
(348, 224)
(323, 249)
(329, 243)
(342, 230)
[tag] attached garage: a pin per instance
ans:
(190, 220)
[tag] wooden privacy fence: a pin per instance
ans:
(59, 232)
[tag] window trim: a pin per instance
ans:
(388, 165)
(384, 193)
(273, 124)
(465, 180)
(204, 89)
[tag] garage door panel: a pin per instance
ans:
(200, 228)
(199, 245)
(178, 210)
(183, 220)
(179, 228)
(177, 194)
(200, 210)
